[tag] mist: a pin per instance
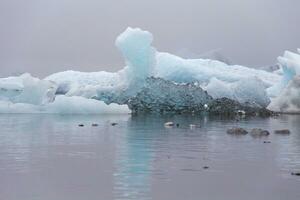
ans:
(46, 36)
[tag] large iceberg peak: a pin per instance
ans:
(139, 55)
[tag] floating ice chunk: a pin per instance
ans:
(65, 105)
(25, 94)
(132, 82)
(27, 89)
(143, 61)
(289, 99)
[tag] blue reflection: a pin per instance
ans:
(133, 163)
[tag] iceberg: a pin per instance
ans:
(151, 80)
(144, 61)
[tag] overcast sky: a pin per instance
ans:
(46, 36)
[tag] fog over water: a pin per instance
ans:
(46, 36)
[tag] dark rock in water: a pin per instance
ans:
(80, 125)
(229, 107)
(205, 167)
(282, 132)
(162, 96)
(257, 132)
(295, 173)
(177, 125)
(94, 124)
(114, 124)
(267, 142)
(237, 131)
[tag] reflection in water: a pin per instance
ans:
(49, 157)
(288, 151)
(133, 166)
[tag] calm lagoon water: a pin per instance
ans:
(48, 157)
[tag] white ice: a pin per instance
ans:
(65, 105)
(255, 92)
(290, 66)
(288, 100)
(27, 89)
(143, 60)
(25, 94)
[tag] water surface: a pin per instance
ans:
(48, 157)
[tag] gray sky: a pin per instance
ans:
(46, 36)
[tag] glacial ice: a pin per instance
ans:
(177, 69)
(144, 61)
(288, 100)
(27, 89)
(159, 96)
(60, 92)
(25, 94)
(135, 45)
(290, 65)
(65, 105)
(255, 92)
